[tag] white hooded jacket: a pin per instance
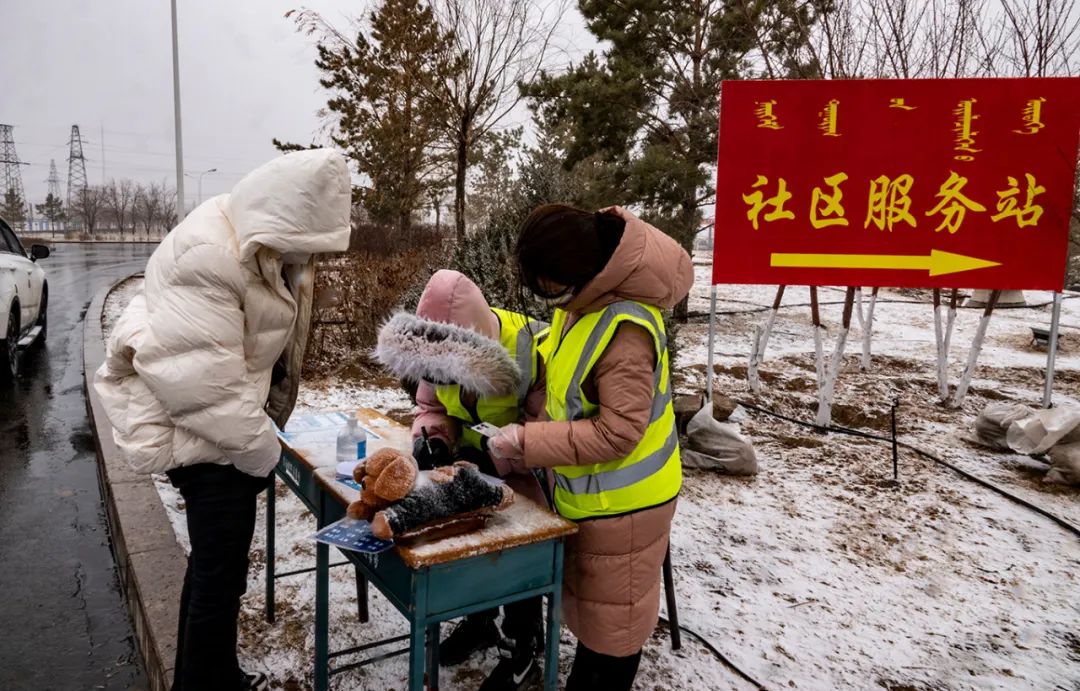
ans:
(187, 372)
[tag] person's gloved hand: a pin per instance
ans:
(439, 453)
(507, 449)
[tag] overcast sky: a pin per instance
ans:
(246, 76)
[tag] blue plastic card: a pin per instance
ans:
(353, 535)
(349, 482)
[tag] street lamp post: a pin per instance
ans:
(199, 178)
(176, 121)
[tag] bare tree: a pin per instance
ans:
(895, 26)
(1042, 36)
(503, 43)
(150, 206)
(168, 214)
(120, 203)
(951, 39)
(87, 207)
(940, 38)
(840, 44)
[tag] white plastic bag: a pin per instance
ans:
(1065, 464)
(994, 421)
(1043, 429)
(713, 445)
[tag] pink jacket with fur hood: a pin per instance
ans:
(611, 587)
(452, 298)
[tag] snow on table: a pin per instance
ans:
(522, 523)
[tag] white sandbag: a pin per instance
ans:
(1043, 429)
(1065, 464)
(713, 445)
(994, 420)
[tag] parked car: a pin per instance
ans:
(24, 300)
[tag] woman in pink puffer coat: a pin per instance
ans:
(608, 435)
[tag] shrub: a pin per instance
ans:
(354, 294)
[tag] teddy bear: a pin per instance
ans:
(385, 477)
(397, 498)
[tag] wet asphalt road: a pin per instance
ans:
(63, 623)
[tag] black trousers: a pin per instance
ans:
(592, 670)
(221, 522)
(523, 621)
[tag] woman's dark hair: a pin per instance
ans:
(565, 245)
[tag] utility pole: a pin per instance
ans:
(103, 176)
(76, 181)
(12, 175)
(176, 113)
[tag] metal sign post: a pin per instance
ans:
(1051, 355)
(712, 336)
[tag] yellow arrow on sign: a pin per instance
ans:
(937, 262)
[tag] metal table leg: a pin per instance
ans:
(433, 656)
(418, 632)
(551, 659)
(361, 596)
(322, 614)
(271, 510)
(417, 654)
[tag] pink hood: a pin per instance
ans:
(451, 298)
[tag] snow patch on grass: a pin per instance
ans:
(116, 301)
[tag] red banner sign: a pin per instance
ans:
(918, 183)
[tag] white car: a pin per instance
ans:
(24, 300)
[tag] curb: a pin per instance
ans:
(149, 561)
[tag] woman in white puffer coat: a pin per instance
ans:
(206, 360)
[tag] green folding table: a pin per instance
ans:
(518, 555)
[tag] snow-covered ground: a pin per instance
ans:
(117, 300)
(820, 572)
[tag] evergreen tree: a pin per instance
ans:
(52, 209)
(386, 121)
(647, 108)
(13, 210)
(488, 258)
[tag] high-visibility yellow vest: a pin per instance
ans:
(652, 473)
(519, 335)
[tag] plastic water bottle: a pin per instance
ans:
(351, 443)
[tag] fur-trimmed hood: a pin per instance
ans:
(414, 348)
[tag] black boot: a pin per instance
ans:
(476, 632)
(518, 669)
(592, 670)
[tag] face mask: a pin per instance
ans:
(560, 301)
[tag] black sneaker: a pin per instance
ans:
(517, 671)
(475, 633)
(256, 681)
